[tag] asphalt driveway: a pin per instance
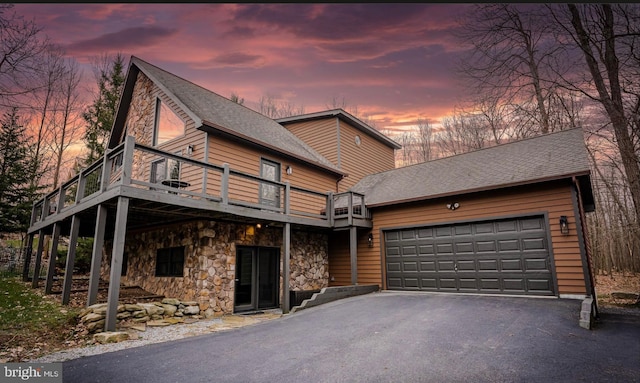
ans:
(393, 337)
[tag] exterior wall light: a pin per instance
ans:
(289, 170)
(453, 206)
(564, 225)
(370, 239)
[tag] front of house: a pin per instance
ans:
(205, 200)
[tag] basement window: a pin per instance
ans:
(170, 262)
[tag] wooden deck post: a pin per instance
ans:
(71, 258)
(285, 267)
(53, 255)
(127, 159)
(224, 187)
(353, 254)
(28, 250)
(96, 255)
(36, 271)
(116, 263)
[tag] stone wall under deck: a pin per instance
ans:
(210, 259)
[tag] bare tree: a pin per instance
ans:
(271, 107)
(43, 107)
(21, 47)
(68, 123)
(609, 38)
(463, 132)
(424, 140)
(511, 56)
(236, 98)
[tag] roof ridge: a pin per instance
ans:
(201, 87)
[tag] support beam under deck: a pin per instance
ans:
(53, 255)
(353, 254)
(96, 255)
(71, 258)
(286, 267)
(116, 263)
(28, 250)
(36, 270)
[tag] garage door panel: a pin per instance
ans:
(536, 264)
(513, 285)
(464, 248)
(444, 248)
(446, 265)
(542, 285)
(485, 246)
(427, 266)
(533, 244)
(511, 264)
(430, 284)
(466, 264)
(409, 251)
(448, 284)
(488, 265)
(505, 256)
(508, 245)
(426, 249)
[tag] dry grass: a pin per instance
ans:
(616, 282)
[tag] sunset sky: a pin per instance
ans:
(393, 61)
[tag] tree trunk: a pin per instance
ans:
(612, 101)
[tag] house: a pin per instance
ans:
(203, 199)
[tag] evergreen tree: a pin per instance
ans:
(101, 114)
(16, 194)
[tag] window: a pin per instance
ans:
(168, 124)
(170, 262)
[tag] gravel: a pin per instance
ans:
(157, 335)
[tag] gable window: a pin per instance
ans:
(168, 124)
(170, 262)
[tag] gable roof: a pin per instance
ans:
(344, 116)
(214, 113)
(543, 158)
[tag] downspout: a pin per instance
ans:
(581, 229)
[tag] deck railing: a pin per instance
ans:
(178, 177)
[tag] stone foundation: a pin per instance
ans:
(210, 259)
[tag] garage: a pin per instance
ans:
(503, 256)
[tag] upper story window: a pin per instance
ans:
(168, 124)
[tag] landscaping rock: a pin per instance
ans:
(96, 326)
(171, 301)
(152, 309)
(158, 323)
(111, 337)
(169, 309)
(130, 307)
(92, 317)
(192, 310)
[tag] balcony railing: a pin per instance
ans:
(178, 177)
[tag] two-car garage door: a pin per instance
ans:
(508, 256)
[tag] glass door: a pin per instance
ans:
(257, 278)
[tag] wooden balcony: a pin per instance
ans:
(165, 187)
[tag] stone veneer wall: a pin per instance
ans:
(210, 259)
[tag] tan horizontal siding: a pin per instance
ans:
(553, 198)
(247, 159)
(321, 135)
(379, 157)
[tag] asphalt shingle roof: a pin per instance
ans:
(221, 113)
(542, 158)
